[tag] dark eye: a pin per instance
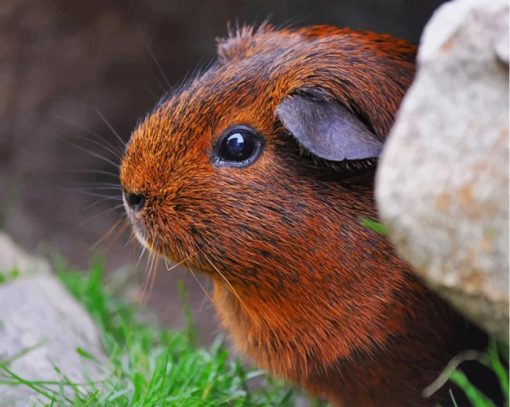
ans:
(238, 147)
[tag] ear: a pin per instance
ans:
(327, 129)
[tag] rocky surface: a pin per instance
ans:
(41, 328)
(442, 185)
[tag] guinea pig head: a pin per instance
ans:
(227, 171)
(258, 171)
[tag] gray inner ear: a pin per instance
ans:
(327, 129)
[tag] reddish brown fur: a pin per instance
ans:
(301, 286)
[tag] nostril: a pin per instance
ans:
(134, 201)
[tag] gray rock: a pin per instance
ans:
(41, 328)
(12, 257)
(442, 183)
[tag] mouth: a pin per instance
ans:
(140, 236)
(144, 237)
(134, 217)
(145, 228)
(138, 229)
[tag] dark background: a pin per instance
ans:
(63, 64)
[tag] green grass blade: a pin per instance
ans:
(475, 396)
(374, 226)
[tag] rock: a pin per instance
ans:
(41, 327)
(442, 183)
(12, 257)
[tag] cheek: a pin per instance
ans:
(220, 211)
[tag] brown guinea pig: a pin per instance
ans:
(257, 172)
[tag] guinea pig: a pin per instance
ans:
(257, 172)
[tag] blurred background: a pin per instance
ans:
(76, 71)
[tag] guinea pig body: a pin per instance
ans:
(303, 288)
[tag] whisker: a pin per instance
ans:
(158, 65)
(92, 188)
(144, 250)
(119, 232)
(122, 142)
(105, 235)
(92, 153)
(103, 145)
(150, 69)
(154, 272)
(200, 285)
(97, 202)
(92, 133)
(175, 265)
(102, 172)
(88, 193)
(158, 82)
(150, 277)
(98, 215)
(228, 283)
(101, 183)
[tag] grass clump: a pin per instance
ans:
(493, 358)
(9, 276)
(148, 365)
(151, 366)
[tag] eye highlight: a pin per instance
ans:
(239, 146)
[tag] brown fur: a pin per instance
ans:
(301, 286)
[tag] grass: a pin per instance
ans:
(9, 276)
(493, 359)
(153, 366)
(149, 365)
(374, 226)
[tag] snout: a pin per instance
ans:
(133, 201)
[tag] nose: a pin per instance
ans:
(134, 201)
